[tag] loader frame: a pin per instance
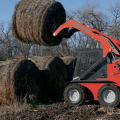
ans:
(110, 46)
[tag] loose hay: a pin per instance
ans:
(34, 21)
(54, 72)
(70, 63)
(19, 80)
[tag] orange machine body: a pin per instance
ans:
(109, 45)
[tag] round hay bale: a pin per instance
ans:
(4, 62)
(34, 21)
(19, 81)
(35, 60)
(54, 73)
(70, 63)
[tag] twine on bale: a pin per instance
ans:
(34, 21)
(54, 73)
(19, 80)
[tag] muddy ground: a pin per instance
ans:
(60, 111)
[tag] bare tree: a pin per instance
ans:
(9, 45)
(114, 28)
(6, 40)
(91, 15)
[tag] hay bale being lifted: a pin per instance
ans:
(70, 63)
(19, 80)
(34, 21)
(54, 72)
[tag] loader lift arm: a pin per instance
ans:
(109, 45)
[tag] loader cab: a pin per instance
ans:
(91, 65)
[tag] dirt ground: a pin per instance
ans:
(61, 111)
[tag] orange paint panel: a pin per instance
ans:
(93, 87)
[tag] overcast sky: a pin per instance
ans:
(7, 6)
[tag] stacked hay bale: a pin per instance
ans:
(34, 21)
(4, 62)
(19, 80)
(70, 63)
(54, 73)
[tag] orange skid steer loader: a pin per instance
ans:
(102, 80)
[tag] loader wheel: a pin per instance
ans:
(74, 94)
(108, 95)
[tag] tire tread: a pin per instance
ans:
(82, 88)
(109, 85)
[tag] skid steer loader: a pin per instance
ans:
(99, 80)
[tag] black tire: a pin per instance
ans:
(77, 90)
(108, 95)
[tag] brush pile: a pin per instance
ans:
(54, 74)
(34, 21)
(19, 80)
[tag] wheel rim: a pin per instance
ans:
(108, 96)
(73, 95)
